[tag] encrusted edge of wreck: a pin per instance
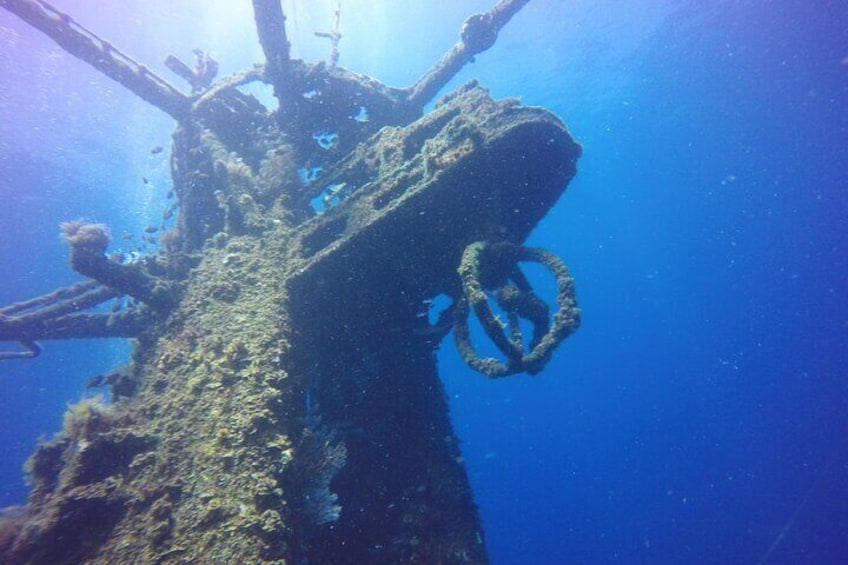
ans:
(209, 447)
(283, 402)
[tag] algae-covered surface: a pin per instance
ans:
(277, 296)
(283, 403)
(292, 381)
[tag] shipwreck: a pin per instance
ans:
(283, 403)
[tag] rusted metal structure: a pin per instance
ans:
(283, 403)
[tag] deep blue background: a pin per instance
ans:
(699, 414)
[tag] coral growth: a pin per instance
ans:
(318, 459)
(78, 495)
(277, 173)
(78, 233)
(11, 522)
(240, 175)
(85, 450)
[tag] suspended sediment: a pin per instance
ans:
(283, 404)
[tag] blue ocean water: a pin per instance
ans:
(699, 413)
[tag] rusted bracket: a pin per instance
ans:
(201, 76)
(334, 36)
(479, 32)
(271, 27)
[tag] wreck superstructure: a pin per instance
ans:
(283, 404)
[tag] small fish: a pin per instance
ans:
(170, 194)
(145, 180)
(95, 381)
(127, 236)
(151, 229)
(157, 149)
(167, 214)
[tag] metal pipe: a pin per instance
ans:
(100, 54)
